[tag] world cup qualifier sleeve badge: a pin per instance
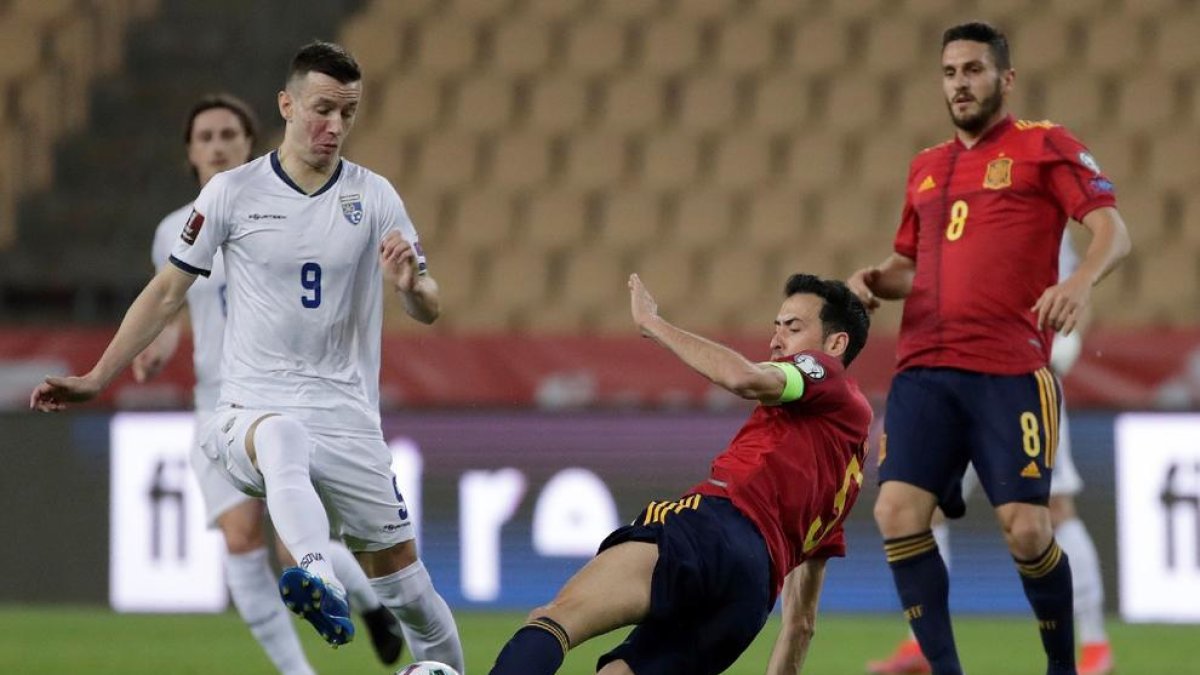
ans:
(352, 208)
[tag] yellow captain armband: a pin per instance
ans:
(793, 388)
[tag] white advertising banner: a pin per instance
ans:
(1158, 516)
(162, 558)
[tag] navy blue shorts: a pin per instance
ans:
(711, 591)
(939, 419)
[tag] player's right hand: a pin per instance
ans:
(861, 283)
(55, 393)
(147, 365)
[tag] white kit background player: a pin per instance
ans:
(219, 135)
(1069, 530)
(305, 236)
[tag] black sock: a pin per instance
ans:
(1047, 582)
(924, 588)
(538, 648)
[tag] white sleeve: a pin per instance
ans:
(395, 217)
(206, 228)
(164, 240)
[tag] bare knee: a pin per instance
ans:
(242, 527)
(617, 667)
(903, 509)
(389, 560)
(1026, 529)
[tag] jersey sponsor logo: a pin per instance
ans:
(926, 184)
(192, 229)
(999, 174)
(266, 216)
(809, 366)
(1086, 159)
(352, 208)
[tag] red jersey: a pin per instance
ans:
(795, 469)
(984, 225)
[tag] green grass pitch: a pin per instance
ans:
(36, 641)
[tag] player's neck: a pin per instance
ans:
(970, 139)
(306, 176)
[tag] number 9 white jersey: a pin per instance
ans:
(304, 291)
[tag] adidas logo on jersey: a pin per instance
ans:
(927, 184)
(1031, 471)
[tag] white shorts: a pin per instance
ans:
(1064, 479)
(352, 475)
(218, 492)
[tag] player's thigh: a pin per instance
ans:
(612, 590)
(354, 478)
(216, 489)
(224, 443)
(924, 442)
(1014, 434)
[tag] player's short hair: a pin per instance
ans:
(981, 31)
(842, 312)
(229, 102)
(326, 58)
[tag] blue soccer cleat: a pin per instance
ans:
(309, 597)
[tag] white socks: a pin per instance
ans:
(358, 588)
(428, 625)
(941, 535)
(1075, 541)
(252, 585)
(284, 448)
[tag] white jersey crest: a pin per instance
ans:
(206, 310)
(304, 292)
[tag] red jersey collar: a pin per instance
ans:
(1001, 126)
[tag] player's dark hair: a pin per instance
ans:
(980, 31)
(228, 102)
(326, 58)
(842, 312)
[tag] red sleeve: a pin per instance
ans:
(824, 378)
(1073, 177)
(833, 546)
(906, 237)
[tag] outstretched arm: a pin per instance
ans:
(720, 364)
(801, 595)
(150, 362)
(154, 307)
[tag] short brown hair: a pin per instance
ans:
(229, 102)
(326, 58)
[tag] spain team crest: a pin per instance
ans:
(352, 209)
(999, 174)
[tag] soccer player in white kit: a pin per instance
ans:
(305, 236)
(219, 135)
(1069, 531)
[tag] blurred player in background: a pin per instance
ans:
(1096, 655)
(304, 237)
(220, 135)
(975, 259)
(699, 575)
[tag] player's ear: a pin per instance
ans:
(285, 105)
(836, 344)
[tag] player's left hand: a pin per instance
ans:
(1063, 304)
(641, 304)
(399, 261)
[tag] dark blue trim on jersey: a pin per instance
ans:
(337, 173)
(188, 268)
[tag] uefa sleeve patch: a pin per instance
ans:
(809, 366)
(192, 229)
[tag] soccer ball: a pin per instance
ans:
(427, 668)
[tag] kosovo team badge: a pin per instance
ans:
(352, 208)
(999, 174)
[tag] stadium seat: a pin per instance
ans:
(377, 45)
(708, 103)
(1117, 155)
(1077, 103)
(630, 220)
(520, 161)
(742, 161)
(921, 106)
(782, 102)
(633, 103)
(552, 9)
(1148, 101)
(1114, 44)
(701, 220)
(734, 276)
(478, 10)
(1040, 43)
(596, 160)
(558, 104)
(637, 11)
(814, 161)
(853, 105)
(746, 45)
(668, 272)
(447, 160)
(1173, 162)
(482, 104)
(896, 44)
(594, 278)
(851, 219)
(483, 220)
(557, 220)
(410, 103)
(521, 47)
(775, 219)
(1175, 41)
(819, 45)
(446, 47)
(670, 46)
(457, 272)
(670, 161)
(596, 47)
(514, 280)
(884, 162)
